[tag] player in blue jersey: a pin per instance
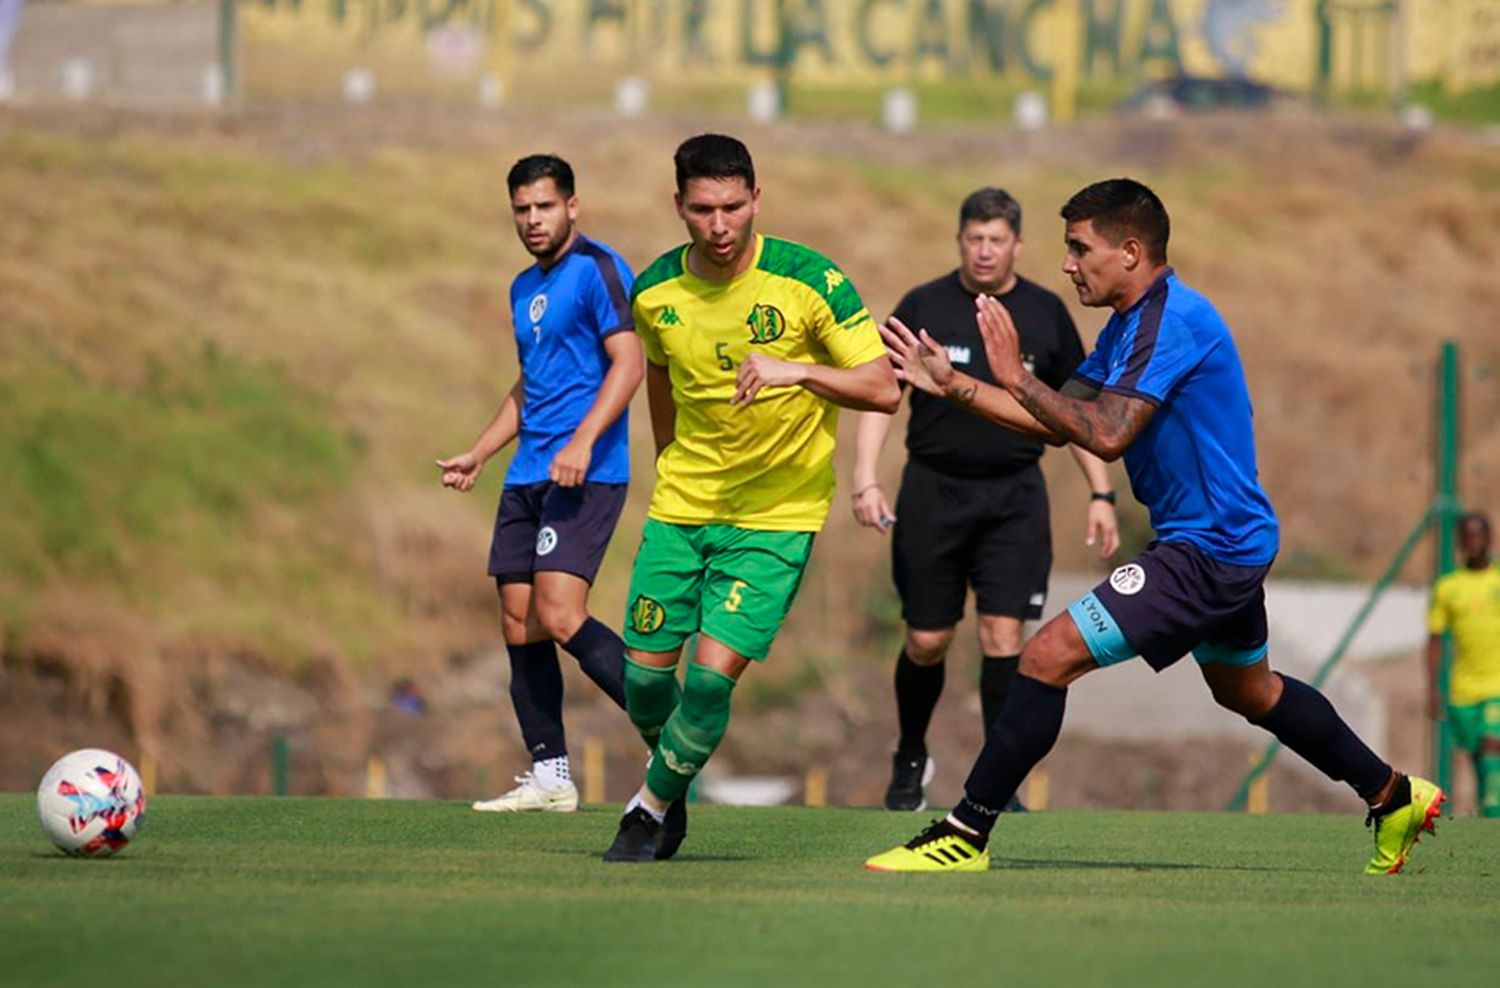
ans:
(580, 363)
(1164, 388)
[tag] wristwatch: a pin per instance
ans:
(1108, 497)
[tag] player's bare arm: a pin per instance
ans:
(870, 386)
(1101, 526)
(626, 368)
(870, 506)
(922, 362)
(659, 404)
(462, 471)
(1104, 424)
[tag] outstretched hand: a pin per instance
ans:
(920, 360)
(1002, 344)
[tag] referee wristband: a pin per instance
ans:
(1108, 497)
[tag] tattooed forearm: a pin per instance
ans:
(1103, 426)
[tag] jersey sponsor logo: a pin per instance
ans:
(958, 354)
(546, 540)
(646, 615)
(832, 279)
(538, 307)
(1128, 579)
(669, 317)
(766, 324)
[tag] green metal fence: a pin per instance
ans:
(1439, 518)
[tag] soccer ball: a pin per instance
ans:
(91, 803)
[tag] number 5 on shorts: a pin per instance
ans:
(733, 601)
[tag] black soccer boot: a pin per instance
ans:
(637, 839)
(909, 775)
(673, 829)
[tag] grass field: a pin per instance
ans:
(295, 891)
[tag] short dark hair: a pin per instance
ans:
(713, 156)
(1474, 518)
(1121, 208)
(990, 203)
(535, 167)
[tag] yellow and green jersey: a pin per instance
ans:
(768, 465)
(1466, 602)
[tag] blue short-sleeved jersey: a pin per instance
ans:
(1193, 465)
(562, 315)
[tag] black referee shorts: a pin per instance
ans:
(992, 532)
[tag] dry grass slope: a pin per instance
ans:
(229, 351)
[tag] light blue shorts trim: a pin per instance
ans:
(1222, 654)
(1109, 646)
(1101, 634)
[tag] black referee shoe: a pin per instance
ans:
(909, 776)
(637, 839)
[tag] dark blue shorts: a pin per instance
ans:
(543, 527)
(1174, 599)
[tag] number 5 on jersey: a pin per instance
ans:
(721, 350)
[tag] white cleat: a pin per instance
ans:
(529, 796)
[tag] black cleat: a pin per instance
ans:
(1015, 805)
(909, 776)
(638, 838)
(673, 829)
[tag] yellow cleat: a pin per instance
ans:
(941, 847)
(1398, 831)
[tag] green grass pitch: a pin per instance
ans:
(314, 891)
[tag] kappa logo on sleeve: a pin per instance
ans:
(832, 279)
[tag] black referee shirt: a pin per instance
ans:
(944, 436)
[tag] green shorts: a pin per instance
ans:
(1472, 724)
(735, 585)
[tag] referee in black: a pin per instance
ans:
(972, 509)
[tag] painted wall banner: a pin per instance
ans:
(845, 40)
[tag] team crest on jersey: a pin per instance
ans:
(646, 615)
(766, 324)
(1128, 579)
(669, 317)
(546, 540)
(538, 308)
(832, 279)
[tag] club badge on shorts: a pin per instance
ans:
(646, 615)
(1128, 580)
(546, 540)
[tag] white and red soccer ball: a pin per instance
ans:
(91, 803)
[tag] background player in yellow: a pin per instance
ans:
(1466, 604)
(750, 342)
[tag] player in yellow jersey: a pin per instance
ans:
(1466, 604)
(751, 343)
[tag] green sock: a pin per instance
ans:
(1489, 785)
(651, 695)
(691, 734)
